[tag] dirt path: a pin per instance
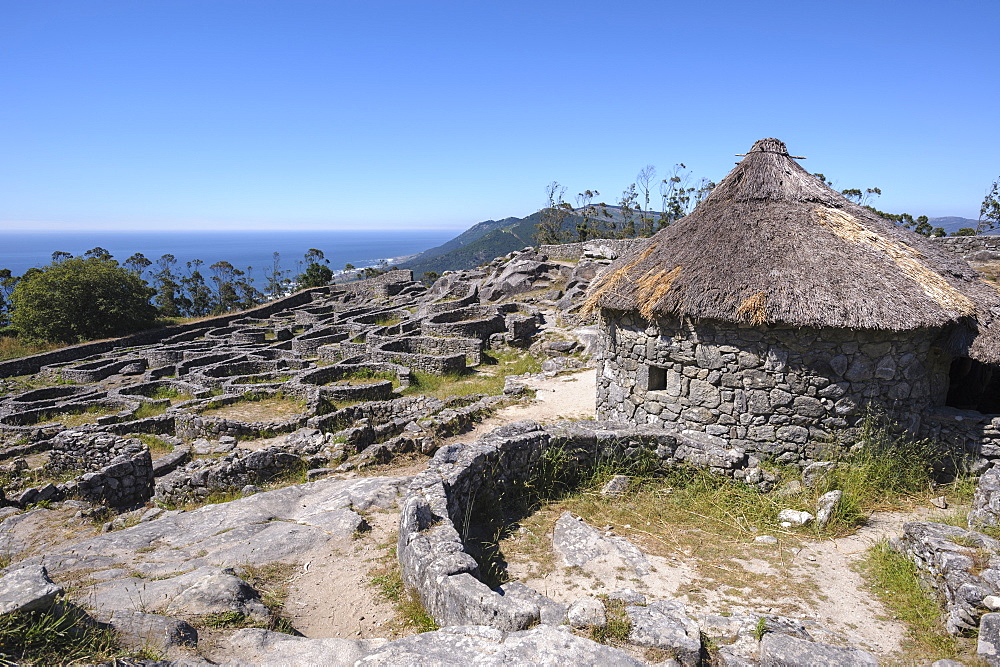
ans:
(333, 597)
(568, 396)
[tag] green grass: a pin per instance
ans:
(760, 629)
(618, 627)
(365, 376)
(174, 395)
(156, 445)
(884, 471)
(149, 410)
(214, 497)
(14, 348)
(488, 378)
(894, 579)
(73, 418)
(54, 636)
(256, 407)
(232, 620)
(257, 379)
(388, 583)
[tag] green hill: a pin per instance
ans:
(480, 244)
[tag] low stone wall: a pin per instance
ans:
(119, 471)
(472, 348)
(307, 344)
(201, 477)
(47, 397)
(469, 322)
(125, 482)
(94, 371)
(431, 551)
(377, 412)
(124, 407)
(956, 564)
(387, 284)
(190, 426)
(521, 328)
(969, 246)
(569, 252)
(435, 307)
(972, 439)
(405, 352)
(79, 450)
(32, 364)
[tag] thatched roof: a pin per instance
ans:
(772, 244)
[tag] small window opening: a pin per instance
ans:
(657, 378)
(972, 385)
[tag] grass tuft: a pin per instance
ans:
(54, 636)
(883, 470)
(388, 582)
(619, 626)
(896, 581)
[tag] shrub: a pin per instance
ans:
(81, 298)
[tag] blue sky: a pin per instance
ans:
(177, 114)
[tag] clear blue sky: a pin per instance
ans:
(192, 114)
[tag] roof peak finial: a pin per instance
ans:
(769, 146)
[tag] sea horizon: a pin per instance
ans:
(20, 250)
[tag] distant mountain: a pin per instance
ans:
(479, 244)
(489, 239)
(952, 223)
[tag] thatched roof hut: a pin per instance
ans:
(778, 312)
(772, 244)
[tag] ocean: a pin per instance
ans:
(20, 251)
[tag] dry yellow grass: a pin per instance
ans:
(753, 309)
(847, 227)
(653, 286)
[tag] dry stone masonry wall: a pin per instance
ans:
(777, 391)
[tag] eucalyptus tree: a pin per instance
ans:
(989, 210)
(553, 217)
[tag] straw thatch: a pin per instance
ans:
(773, 244)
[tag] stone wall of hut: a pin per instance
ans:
(780, 391)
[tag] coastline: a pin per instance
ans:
(250, 252)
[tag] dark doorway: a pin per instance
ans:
(657, 378)
(973, 385)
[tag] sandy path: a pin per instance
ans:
(568, 396)
(332, 597)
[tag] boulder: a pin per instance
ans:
(579, 544)
(988, 644)
(781, 650)
(152, 631)
(550, 611)
(218, 593)
(826, 506)
(27, 589)
(814, 473)
(257, 646)
(616, 486)
(795, 517)
(473, 644)
(586, 612)
(666, 625)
